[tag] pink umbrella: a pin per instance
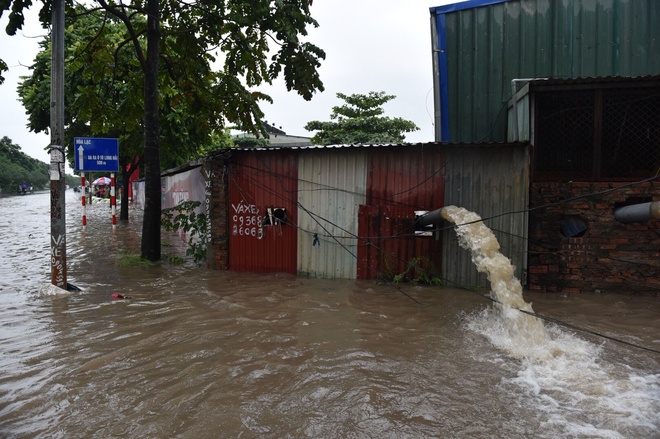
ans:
(101, 181)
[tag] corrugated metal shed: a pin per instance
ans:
(331, 187)
(482, 45)
(258, 182)
(348, 202)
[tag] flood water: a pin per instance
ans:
(207, 354)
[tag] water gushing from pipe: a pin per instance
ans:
(523, 329)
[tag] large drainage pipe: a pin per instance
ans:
(433, 217)
(637, 213)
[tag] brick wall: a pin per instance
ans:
(608, 256)
(217, 202)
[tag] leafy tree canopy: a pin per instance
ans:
(361, 120)
(103, 83)
(17, 168)
(220, 48)
(248, 43)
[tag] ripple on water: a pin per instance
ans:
(203, 354)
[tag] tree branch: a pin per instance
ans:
(121, 15)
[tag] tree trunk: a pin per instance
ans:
(152, 203)
(123, 201)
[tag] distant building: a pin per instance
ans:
(276, 137)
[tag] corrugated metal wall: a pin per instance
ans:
(389, 246)
(492, 181)
(482, 48)
(258, 181)
(401, 180)
(409, 175)
(331, 187)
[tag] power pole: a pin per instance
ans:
(57, 151)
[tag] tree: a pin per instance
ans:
(103, 83)
(360, 120)
(17, 168)
(196, 31)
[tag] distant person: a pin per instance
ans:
(24, 187)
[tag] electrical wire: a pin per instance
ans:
(562, 323)
(342, 245)
(317, 219)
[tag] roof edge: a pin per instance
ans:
(460, 6)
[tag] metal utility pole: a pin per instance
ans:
(57, 156)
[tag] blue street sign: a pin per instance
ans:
(96, 154)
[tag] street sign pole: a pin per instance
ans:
(113, 200)
(84, 199)
(57, 172)
(99, 155)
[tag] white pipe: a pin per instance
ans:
(637, 213)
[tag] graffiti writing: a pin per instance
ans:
(247, 221)
(207, 212)
(56, 259)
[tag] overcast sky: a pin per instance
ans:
(370, 45)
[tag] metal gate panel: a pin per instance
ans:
(389, 247)
(259, 241)
(330, 191)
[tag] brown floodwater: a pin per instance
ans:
(206, 354)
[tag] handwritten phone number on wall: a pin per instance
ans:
(250, 226)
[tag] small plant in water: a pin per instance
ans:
(419, 270)
(183, 217)
(175, 260)
(133, 261)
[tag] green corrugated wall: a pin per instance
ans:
(491, 42)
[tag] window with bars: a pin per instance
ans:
(596, 134)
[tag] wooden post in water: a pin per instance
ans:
(57, 151)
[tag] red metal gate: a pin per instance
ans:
(262, 190)
(388, 245)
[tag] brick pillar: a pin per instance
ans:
(217, 211)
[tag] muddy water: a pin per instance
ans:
(202, 354)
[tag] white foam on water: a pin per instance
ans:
(576, 393)
(49, 289)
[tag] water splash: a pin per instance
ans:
(524, 330)
(562, 375)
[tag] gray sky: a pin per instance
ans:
(370, 45)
